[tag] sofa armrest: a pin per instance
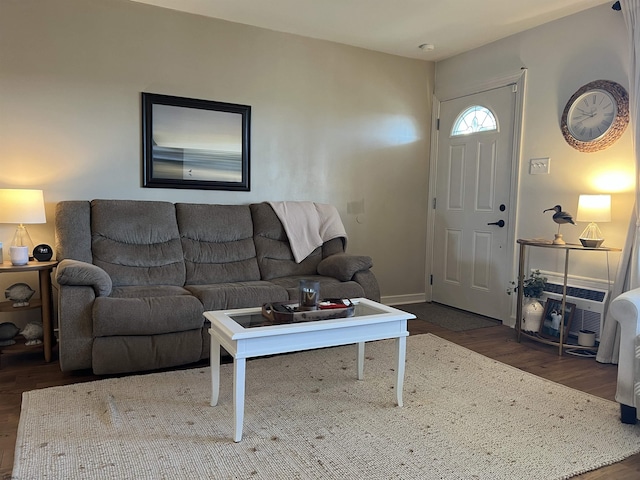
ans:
(75, 326)
(625, 309)
(77, 273)
(369, 284)
(344, 266)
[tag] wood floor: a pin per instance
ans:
(28, 371)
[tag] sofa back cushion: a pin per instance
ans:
(137, 242)
(73, 230)
(275, 257)
(217, 241)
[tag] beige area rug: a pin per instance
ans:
(465, 417)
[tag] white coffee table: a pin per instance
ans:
(242, 334)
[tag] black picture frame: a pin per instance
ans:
(546, 326)
(197, 144)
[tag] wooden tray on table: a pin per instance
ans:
(288, 312)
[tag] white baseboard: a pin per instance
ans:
(403, 299)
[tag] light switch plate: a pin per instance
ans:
(539, 166)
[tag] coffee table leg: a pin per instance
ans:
(215, 370)
(239, 370)
(360, 360)
(401, 347)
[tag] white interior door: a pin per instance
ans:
(471, 264)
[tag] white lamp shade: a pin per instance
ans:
(19, 205)
(594, 208)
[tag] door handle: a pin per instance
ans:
(499, 223)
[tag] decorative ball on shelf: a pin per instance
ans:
(20, 293)
(42, 252)
(8, 330)
(33, 333)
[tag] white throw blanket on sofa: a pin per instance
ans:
(308, 225)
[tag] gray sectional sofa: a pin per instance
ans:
(136, 276)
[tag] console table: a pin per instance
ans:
(521, 261)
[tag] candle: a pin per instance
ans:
(309, 293)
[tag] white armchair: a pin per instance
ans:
(625, 309)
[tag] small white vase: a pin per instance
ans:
(19, 255)
(532, 312)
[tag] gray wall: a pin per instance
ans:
(330, 123)
(560, 57)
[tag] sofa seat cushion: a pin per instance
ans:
(224, 296)
(148, 315)
(139, 291)
(329, 287)
(137, 353)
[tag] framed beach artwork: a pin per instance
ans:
(550, 325)
(199, 144)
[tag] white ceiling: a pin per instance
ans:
(391, 26)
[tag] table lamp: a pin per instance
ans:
(22, 206)
(592, 209)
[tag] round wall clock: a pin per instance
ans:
(595, 116)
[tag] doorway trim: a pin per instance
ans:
(518, 80)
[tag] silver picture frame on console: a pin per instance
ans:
(198, 144)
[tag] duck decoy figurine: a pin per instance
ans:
(560, 217)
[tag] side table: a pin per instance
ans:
(566, 248)
(45, 303)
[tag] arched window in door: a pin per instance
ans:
(473, 120)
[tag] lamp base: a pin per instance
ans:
(591, 237)
(22, 239)
(591, 242)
